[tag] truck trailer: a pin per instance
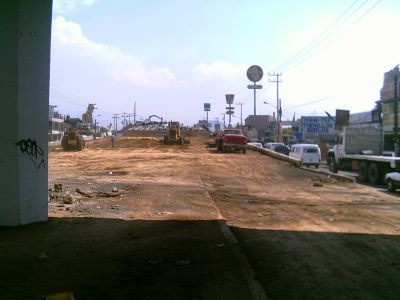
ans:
(360, 148)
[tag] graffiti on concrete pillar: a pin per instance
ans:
(34, 152)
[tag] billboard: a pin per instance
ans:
(313, 127)
(342, 118)
(207, 106)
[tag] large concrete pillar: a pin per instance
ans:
(24, 96)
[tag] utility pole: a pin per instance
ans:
(224, 120)
(134, 114)
(241, 112)
(124, 115)
(116, 117)
(95, 126)
(396, 112)
(278, 103)
(129, 118)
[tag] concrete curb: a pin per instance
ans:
(297, 163)
(294, 161)
(255, 287)
(333, 175)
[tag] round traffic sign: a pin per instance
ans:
(254, 73)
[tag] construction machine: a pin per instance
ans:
(72, 140)
(174, 134)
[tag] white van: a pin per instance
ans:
(309, 154)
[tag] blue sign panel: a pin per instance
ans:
(312, 127)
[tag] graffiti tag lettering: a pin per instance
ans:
(35, 153)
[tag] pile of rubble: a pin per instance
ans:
(58, 194)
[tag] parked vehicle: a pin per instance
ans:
(359, 148)
(309, 154)
(284, 149)
(231, 139)
(392, 181)
(271, 146)
(256, 144)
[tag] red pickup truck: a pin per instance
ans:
(231, 139)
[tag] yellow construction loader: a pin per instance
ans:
(72, 140)
(174, 135)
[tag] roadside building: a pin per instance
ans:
(56, 125)
(264, 124)
(388, 107)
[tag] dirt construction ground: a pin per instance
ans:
(148, 221)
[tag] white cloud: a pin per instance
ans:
(70, 6)
(155, 76)
(70, 33)
(219, 69)
(120, 66)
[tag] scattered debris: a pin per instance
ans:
(165, 213)
(63, 295)
(182, 263)
(42, 255)
(318, 183)
(68, 199)
(96, 194)
(153, 262)
(58, 187)
(266, 214)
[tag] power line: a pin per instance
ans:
(311, 102)
(69, 95)
(307, 52)
(316, 45)
(78, 101)
(367, 12)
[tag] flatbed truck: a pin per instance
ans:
(359, 148)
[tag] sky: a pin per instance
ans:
(172, 56)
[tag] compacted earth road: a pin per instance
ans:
(142, 220)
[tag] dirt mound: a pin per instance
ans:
(144, 133)
(125, 142)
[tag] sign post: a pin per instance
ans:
(207, 108)
(229, 101)
(254, 74)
